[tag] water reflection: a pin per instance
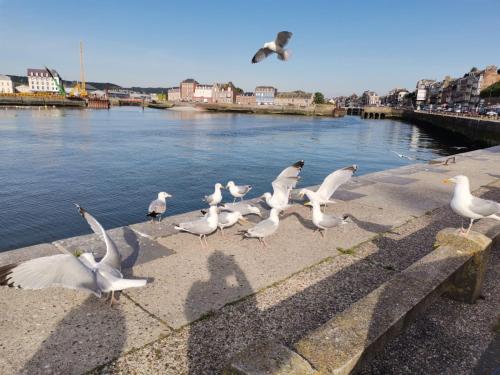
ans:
(113, 162)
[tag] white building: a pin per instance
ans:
(203, 93)
(6, 85)
(39, 80)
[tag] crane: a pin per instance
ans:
(79, 89)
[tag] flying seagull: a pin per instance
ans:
(264, 228)
(330, 184)
(282, 186)
(238, 191)
(277, 46)
(323, 221)
(202, 226)
(466, 205)
(216, 197)
(69, 271)
(158, 206)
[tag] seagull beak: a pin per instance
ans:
(307, 204)
(243, 221)
(447, 181)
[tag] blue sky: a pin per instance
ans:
(339, 47)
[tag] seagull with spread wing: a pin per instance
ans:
(283, 185)
(277, 46)
(330, 184)
(69, 271)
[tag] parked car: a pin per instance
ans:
(491, 113)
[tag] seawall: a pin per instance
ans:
(40, 100)
(316, 110)
(476, 129)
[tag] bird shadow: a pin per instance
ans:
(308, 224)
(370, 226)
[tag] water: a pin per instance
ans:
(114, 162)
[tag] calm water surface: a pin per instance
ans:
(114, 162)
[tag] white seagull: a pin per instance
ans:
(323, 221)
(264, 228)
(158, 207)
(466, 205)
(329, 185)
(69, 271)
(283, 185)
(277, 46)
(202, 226)
(243, 208)
(238, 191)
(216, 197)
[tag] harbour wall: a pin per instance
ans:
(315, 110)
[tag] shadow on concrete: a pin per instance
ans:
(306, 223)
(369, 226)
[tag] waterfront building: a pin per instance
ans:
(294, 98)
(174, 94)
(370, 98)
(187, 88)
(23, 89)
(119, 94)
(394, 98)
(203, 93)
(6, 85)
(224, 93)
(247, 98)
(423, 90)
(264, 95)
(39, 80)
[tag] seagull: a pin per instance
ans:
(243, 208)
(403, 156)
(238, 191)
(202, 226)
(228, 219)
(277, 46)
(323, 221)
(264, 228)
(330, 184)
(71, 272)
(158, 206)
(466, 205)
(216, 197)
(283, 185)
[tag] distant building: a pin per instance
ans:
(247, 98)
(23, 89)
(294, 98)
(264, 95)
(6, 85)
(39, 80)
(187, 89)
(119, 94)
(370, 98)
(174, 94)
(423, 90)
(224, 93)
(203, 93)
(394, 98)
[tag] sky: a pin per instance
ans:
(338, 47)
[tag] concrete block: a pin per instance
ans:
(269, 359)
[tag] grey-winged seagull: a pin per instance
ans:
(243, 208)
(69, 271)
(158, 207)
(466, 205)
(202, 226)
(238, 191)
(276, 46)
(264, 228)
(282, 186)
(321, 220)
(216, 197)
(330, 184)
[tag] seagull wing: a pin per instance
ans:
(282, 38)
(282, 186)
(484, 207)
(293, 170)
(330, 221)
(199, 226)
(263, 229)
(63, 270)
(334, 180)
(157, 206)
(243, 189)
(261, 55)
(112, 257)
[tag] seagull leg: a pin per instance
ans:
(234, 200)
(201, 241)
(470, 226)
(159, 219)
(206, 242)
(322, 233)
(112, 298)
(265, 243)
(222, 231)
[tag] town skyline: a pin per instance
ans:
(340, 51)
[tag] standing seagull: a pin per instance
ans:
(264, 228)
(216, 197)
(323, 221)
(68, 271)
(330, 184)
(238, 191)
(202, 226)
(158, 206)
(466, 205)
(277, 46)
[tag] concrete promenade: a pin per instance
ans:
(203, 306)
